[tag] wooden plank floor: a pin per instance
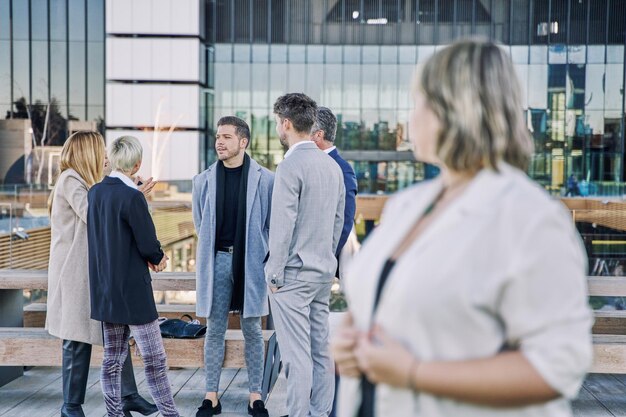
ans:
(38, 393)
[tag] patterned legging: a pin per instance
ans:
(217, 323)
(150, 345)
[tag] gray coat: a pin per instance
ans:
(68, 310)
(307, 217)
(258, 200)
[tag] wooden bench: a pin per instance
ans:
(35, 315)
(33, 346)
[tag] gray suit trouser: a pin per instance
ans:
(300, 314)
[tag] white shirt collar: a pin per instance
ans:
(124, 178)
(294, 146)
(329, 150)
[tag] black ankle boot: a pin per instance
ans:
(72, 410)
(135, 402)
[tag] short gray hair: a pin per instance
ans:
(326, 122)
(124, 153)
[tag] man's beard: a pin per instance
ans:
(283, 140)
(228, 155)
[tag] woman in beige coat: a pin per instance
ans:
(83, 160)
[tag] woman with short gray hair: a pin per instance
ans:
(470, 298)
(122, 246)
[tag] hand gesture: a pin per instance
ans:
(146, 186)
(343, 345)
(384, 360)
(161, 266)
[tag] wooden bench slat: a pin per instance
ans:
(609, 352)
(16, 279)
(35, 314)
(35, 347)
(186, 281)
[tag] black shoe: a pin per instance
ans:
(258, 409)
(135, 402)
(207, 409)
(72, 410)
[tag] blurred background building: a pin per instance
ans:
(166, 70)
(358, 57)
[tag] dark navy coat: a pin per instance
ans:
(349, 180)
(122, 240)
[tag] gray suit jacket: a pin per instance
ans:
(260, 182)
(307, 217)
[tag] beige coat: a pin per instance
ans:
(68, 271)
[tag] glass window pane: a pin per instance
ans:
(314, 81)
(77, 77)
(278, 53)
(332, 94)
(5, 77)
(95, 16)
(5, 23)
(538, 88)
(297, 53)
(614, 79)
(295, 80)
(20, 20)
(39, 16)
(241, 73)
(369, 87)
(594, 94)
(95, 74)
(40, 71)
(77, 20)
(351, 91)
(597, 19)
(315, 54)
(58, 20)
(21, 66)
(58, 74)
(260, 85)
(389, 86)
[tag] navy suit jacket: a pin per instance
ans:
(122, 239)
(349, 180)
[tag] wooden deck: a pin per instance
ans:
(38, 393)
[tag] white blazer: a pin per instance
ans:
(502, 266)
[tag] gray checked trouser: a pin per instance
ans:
(217, 323)
(150, 345)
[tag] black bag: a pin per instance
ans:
(182, 329)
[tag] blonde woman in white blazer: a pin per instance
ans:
(484, 311)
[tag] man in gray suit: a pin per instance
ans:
(231, 210)
(305, 227)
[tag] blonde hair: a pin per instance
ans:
(124, 153)
(83, 152)
(472, 88)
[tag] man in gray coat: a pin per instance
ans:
(305, 227)
(231, 212)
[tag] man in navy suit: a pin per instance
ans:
(323, 134)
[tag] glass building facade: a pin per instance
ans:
(358, 57)
(52, 60)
